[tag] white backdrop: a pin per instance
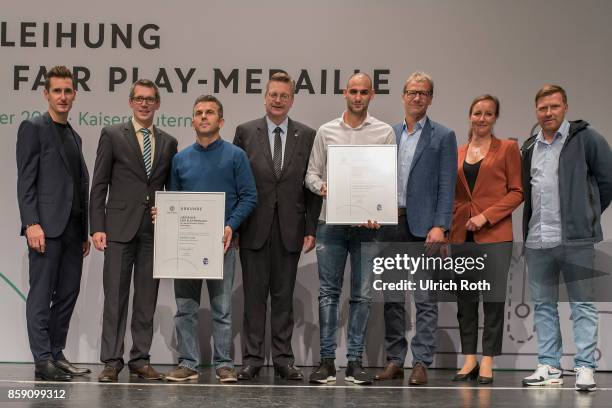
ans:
(470, 47)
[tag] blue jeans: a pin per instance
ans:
(423, 343)
(576, 265)
(334, 243)
(187, 293)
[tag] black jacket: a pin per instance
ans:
(44, 182)
(298, 207)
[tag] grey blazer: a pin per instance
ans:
(120, 173)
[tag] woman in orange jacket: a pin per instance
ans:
(488, 190)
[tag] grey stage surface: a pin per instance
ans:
(267, 391)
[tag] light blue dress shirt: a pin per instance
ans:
(545, 222)
(405, 154)
(271, 127)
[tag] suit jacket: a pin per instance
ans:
(120, 172)
(44, 183)
(496, 194)
(431, 184)
(298, 207)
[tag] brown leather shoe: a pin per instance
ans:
(390, 372)
(67, 367)
(226, 374)
(147, 372)
(109, 374)
(418, 376)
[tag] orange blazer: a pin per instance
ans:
(497, 192)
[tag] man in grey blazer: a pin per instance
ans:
(132, 163)
(427, 171)
(283, 224)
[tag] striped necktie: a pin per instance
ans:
(146, 149)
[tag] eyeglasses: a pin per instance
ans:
(149, 100)
(413, 94)
(283, 97)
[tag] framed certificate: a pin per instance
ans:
(188, 235)
(361, 184)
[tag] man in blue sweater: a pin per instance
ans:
(211, 165)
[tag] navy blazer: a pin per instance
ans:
(44, 183)
(431, 184)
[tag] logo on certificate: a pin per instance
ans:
(205, 261)
(172, 209)
(379, 207)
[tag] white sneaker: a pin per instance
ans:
(544, 375)
(585, 379)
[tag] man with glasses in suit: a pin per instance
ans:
(132, 163)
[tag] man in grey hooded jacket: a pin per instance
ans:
(567, 180)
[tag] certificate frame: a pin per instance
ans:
(188, 235)
(361, 184)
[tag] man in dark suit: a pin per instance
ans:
(283, 224)
(427, 171)
(132, 163)
(52, 187)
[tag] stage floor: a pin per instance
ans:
(267, 391)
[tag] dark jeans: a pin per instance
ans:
(423, 343)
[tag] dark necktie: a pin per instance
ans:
(146, 149)
(277, 158)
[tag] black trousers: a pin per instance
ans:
(270, 270)
(120, 258)
(55, 281)
(497, 263)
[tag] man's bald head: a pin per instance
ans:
(361, 78)
(358, 94)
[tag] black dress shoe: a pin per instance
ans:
(248, 372)
(472, 375)
(68, 368)
(288, 372)
(45, 370)
(485, 380)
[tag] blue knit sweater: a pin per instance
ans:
(220, 167)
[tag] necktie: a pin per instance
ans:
(277, 158)
(146, 149)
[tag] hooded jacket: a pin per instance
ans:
(585, 183)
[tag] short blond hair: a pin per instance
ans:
(420, 76)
